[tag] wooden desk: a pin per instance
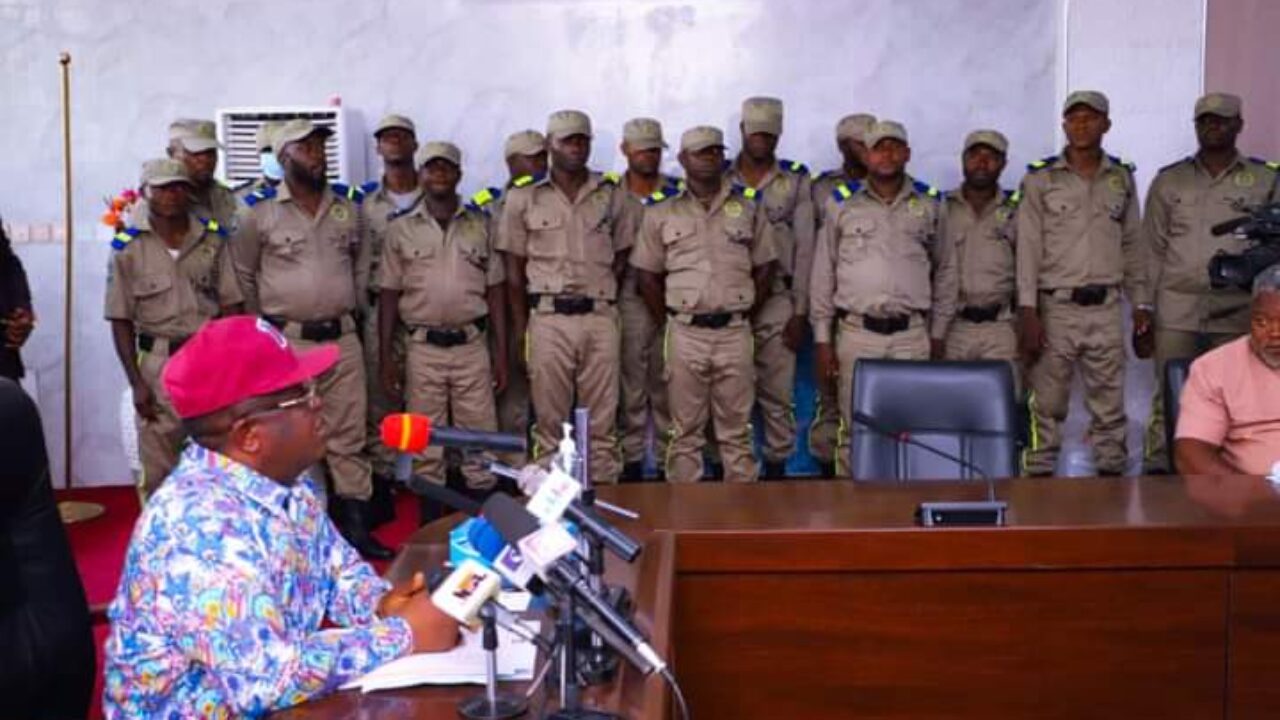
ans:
(1133, 598)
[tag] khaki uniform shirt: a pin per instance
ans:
(569, 245)
(296, 266)
(164, 297)
(883, 258)
(984, 246)
(822, 186)
(1183, 203)
(379, 207)
(218, 204)
(787, 194)
(707, 253)
(668, 187)
(1074, 232)
(443, 274)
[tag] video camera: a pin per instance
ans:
(1261, 226)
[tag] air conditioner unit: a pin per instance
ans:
(238, 129)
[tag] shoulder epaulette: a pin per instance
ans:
(1012, 198)
(405, 211)
(525, 180)
(214, 227)
(121, 239)
(472, 206)
(845, 190)
(663, 193)
(1176, 163)
(826, 174)
(926, 189)
(1269, 164)
(1127, 165)
(611, 177)
(1042, 163)
(371, 186)
(354, 194)
(794, 166)
(266, 192)
(749, 193)
(485, 196)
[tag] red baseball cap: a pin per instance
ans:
(234, 359)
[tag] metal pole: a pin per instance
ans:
(64, 60)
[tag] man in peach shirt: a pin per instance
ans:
(1229, 421)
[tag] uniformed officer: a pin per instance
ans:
(396, 141)
(296, 253)
(566, 236)
(705, 257)
(525, 153)
(784, 187)
(1078, 243)
(194, 143)
(440, 277)
(169, 274)
(643, 387)
(981, 225)
(268, 163)
(884, 273)
(850, 135)
(1186, 199)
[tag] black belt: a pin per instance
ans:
(981, 313)
(451, 337)
(1088, 295)
(568, 304)
(146, 342)
(312, 330)
(887, 325)
(788, 281)
(713, 321)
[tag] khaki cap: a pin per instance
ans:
(525, 142)
(993, 139)
(700, 138)
(194, 135)
(264, 136)
(1220, 104)
(164, 171)
(1092, 98)
(854, 127)
(567, 123)
(762, 115)
(885, 130)
(643, 134)
(294, 130)
(395, 121)
(437, 149)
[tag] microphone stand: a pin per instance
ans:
(492, 705)
(597, 664)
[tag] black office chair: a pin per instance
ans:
(965, 409)
(46, 646)
(1175, 376)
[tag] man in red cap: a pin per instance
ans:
(233, 565)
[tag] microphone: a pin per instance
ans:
(937, 514)
(1230, 226)
(465, 591)
(554, 495)
(515, 523)
(410, 433)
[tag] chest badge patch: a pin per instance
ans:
(1244, 179)
(340, 213)
(733, 209)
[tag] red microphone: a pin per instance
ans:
(411, 433)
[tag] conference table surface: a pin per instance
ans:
(715, 546)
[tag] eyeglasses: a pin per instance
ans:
(309, 400)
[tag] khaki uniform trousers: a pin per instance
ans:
(343, 391)
(575, 357)
(512, 405)
(853, 343)
(380, 404)
(710, 377)
(643, 387)
(996, 340)
(453, 386)
(1091, 337)
(1172, 345)
(159, 441)
(775, 377)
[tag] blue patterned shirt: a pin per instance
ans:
(228, 578)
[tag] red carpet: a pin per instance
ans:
(99, 546)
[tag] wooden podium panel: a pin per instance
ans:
(1133, 598)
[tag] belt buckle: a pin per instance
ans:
(1089, 295)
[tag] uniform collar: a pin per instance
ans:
(1236, 163)
(735, 173)
(244, 481)
(420, 208)
(1060, 162)
(195, 231)
(908, 188)
(957, 195)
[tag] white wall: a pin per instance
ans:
(474, 71)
